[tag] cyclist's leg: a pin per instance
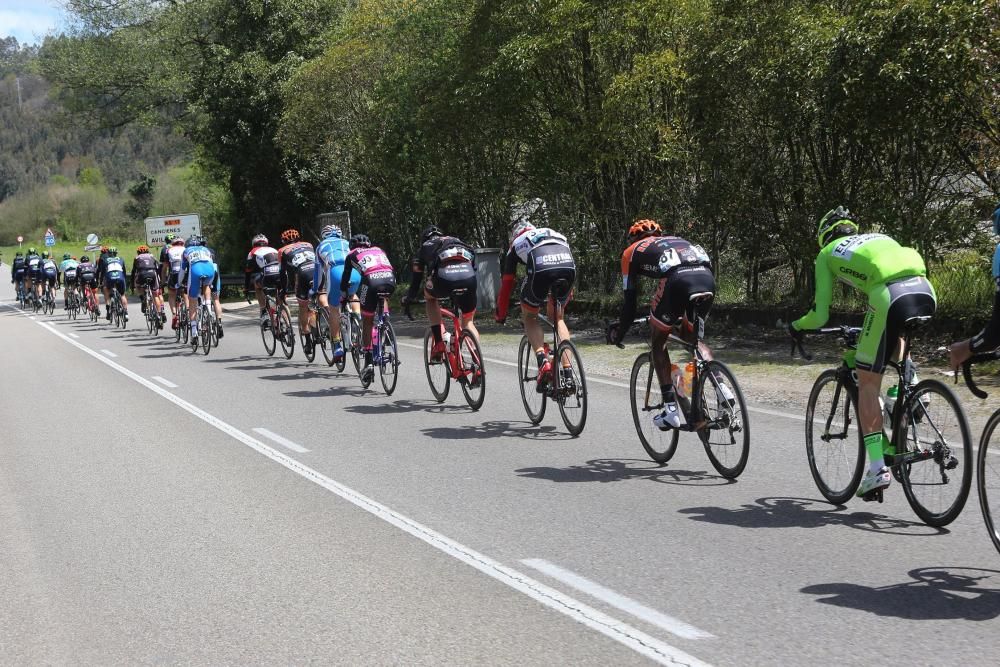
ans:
(216, 296)
(121, 292)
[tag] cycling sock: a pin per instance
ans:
(873, 445)
(887, 446)
(436, 334)
(667, 391)
(540, 357)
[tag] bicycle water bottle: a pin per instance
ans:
(446, 338)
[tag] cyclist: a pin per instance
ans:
(893, 277)
(262, 268)
(331, 254)
(171, 257)
(198, 270)
(86, 274)
(102, 260)
(17, 271)
(48, 273)
(377, 281)
(32, 263)
(113, 274)
(68, 268)
(445, 266)
(684, 273)
(146, 271)
(550, 267)
(297, 262)
(216, 292)
(989, 338)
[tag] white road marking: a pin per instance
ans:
(73, 334)
(617, 600)
(165, 382)
(284, 442)
(624, 634)
(613, 383)
(31, 317)
(109, 353)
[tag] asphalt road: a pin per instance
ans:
(148, 515)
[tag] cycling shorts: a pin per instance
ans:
(173, 279)
(331, 282)
(150, 277)
(217, 283)
(372, 289)
(199, 274)
(263, 280)
(458, 281)
(672, 300)
(115, 280)
(87, 279)
(550, 268)
(889, 307)
(19, 275)
(303, 278)
(69, 278)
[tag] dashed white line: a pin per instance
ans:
(109, 353)
(617, 600)
(284, 442)
(626, 635)
(165, 382)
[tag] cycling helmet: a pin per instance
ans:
(329, 231)
(640, 229)
(178, 240)
(32, 251)
(169, 238)
(520, 227)
(259, 241)
(834, 224)
(142, 249)
(45, 254)
(66, 255)
(429, 233)
(192, 241)
(18, 254)
(360, 241)
(289, 236)
(85, 259)
(104, 249)
(996, 220)
(113, 251)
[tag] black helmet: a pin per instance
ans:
(84, 259)
(429, 233)
(360, 241)
(193, 240)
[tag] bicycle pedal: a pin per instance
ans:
(873, 496)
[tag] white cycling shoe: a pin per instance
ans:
(874, 481)
(670, 417)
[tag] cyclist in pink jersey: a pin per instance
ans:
(377, 281)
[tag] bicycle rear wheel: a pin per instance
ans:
(933, 421)
(355, 338)
(286, 333)
(647, 401)
(268, 334)
(389, 361)
(726, 434)
(834, 443)
(473, 380)
(571, 388)
(308, 348)
(527, 378)
(988, 478)
(325, 342)
(206, 327)
(438, 374)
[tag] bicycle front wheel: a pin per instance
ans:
(647, 401)
(389, 360)
(933, 422)
(571, 390)
(438, 374)
(988, 478)
(527, 379)
(473, 378)
(834, 443)
(286, 334)
(726, 433)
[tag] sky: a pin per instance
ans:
(30, 20)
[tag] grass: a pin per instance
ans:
(74, 248)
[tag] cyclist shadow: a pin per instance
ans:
(496, 429)
(403, 405)
(620, 470)
(266, 366)
(326, 393)
(772, 512)
(935, 593)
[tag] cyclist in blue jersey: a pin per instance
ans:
(199, 269)
(112, 269)
(67, 269)
(989, 338)
(329, 271)
(17, 271)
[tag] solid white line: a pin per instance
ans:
(628, 636)
(31, 317)
(109, 353)
(284, 442)
(617, 600)
(622, 385)
(164, 381)
(73, 334)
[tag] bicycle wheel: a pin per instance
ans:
(356, 339)
(178, 333)
(268, 334)
(473, 379)
(835, 445)
(389, 361)
(571, 392)
(286, 333)
(345, 340)
(726, 434)
(647, 401)
(438, 374)
(308, 349)
(206, 327)
(988, 478)
(933, 421)
(527, 378)
(323, 336)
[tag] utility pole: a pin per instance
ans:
(17, 79)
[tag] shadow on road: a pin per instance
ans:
(805, 513)
(403, 405)
(620, 470)
(327, 392)
(496, 429)
(936, 593)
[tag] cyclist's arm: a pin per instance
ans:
(506, 283)
(131, 277)
(989, 337)
(820, 312)
(345, 278)
(251, 264)
(416, 280)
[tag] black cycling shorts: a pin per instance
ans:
(370, 292)
(150, 277)
(550, 269)
(303, 278)
(49, 278)
(456, 280)
(87, 279)
(672, 300)
(263, 280)
(907, 298)
(173, 279)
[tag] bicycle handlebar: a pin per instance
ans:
(967, 371)
(848, 334)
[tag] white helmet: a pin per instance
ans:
(520, 227)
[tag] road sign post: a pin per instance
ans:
(50, 238)
(20, 240)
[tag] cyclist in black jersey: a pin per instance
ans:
(989, 338)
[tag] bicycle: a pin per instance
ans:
(462, 362)
(49, 299)
(567, 390)
(715, 410)
(90, 303)
(118, 312)
(921, 456)
(384, 350)
(153, 321)
(72, 303)
(987, 469)
(22, 294)
(350, 337)
(323, 337)
(207, 334)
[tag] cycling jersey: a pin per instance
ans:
(989, 337)
(48, 270)
(881, 268)
(329, 271)
(446, 266)
(377, 276)
(17, 269)
(262, 267)
(198, 268)
(171, 259)
(114, 273)
(86, 273)
(145, 271)
(31, 264)
(69, 268)
(550, 265)
(297, 261)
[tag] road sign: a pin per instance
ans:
(50, 238)
(183, 225)
(92, 239)
(20, 239)
(92, 247)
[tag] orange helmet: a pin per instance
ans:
(142, 249)
(289, 236)
(104, 248)
(640, 229)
